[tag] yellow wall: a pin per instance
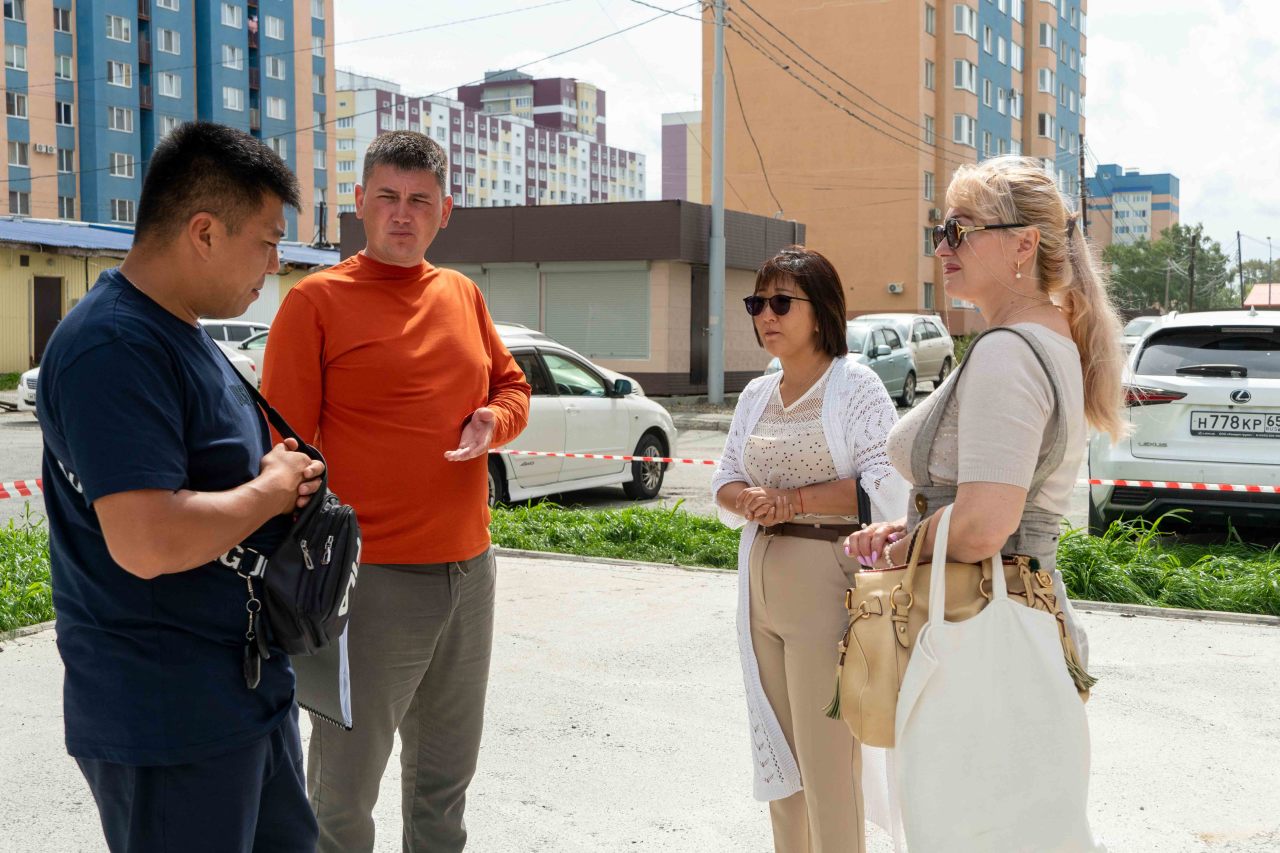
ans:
(17, 284)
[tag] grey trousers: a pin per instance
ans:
(420, 642)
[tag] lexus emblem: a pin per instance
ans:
(1241, 396)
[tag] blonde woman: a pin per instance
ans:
(800, 443)
(1003, 438)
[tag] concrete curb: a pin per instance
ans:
(17, 633)
(686, 422)
(1132, 610)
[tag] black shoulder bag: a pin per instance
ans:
(310, 576)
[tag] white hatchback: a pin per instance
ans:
(932, 349)
(579, 407)
(1202, 395)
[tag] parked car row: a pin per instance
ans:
(902, 349)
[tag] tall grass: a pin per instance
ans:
(25, 595)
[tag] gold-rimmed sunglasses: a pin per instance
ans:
(953, 232)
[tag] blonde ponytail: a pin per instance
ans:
(1095, 327)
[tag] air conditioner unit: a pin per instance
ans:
(895, 287)
(935, 214)
(41, 148)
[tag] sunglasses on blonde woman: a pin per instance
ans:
(779, 303)
(953, 232)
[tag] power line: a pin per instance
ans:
(743, 111)
(671, 11)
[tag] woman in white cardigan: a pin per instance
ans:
(800, 442)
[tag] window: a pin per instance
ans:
(986, 143)
(930, 19)
(61, 20)
(1044, 80)
(1016, 10)
(275, 68)
(930, 74)
(320, 159)
(122, 210)
(19, 202)
(317, 45)
(168, 124)
(18, 152)
(1074, 58)
(1015, 147)
(928, 295)
(168, 41)
(385, 122)
(928, 241)
(62, 113)
(1001, 101)
(1062, 51)
(169, 84)
(317, 84)
(346, 145)
(15, 57)
(1045, 125)
(232, 98)
(966, 75)
(277, 109)
(1047, 36)
(273, 27)
(1062, 94)
(965, 130)
(986, 93)
(346, 188)
(986, 39)
(966, 21)
(120, 118)
(62, 67)
(1002, 50)
(66, 207)
(233, 57)
(280, 146)
(1015, 56)
(119, 74)
(930, 131)
(66, 160)
(1015, 104)
(346, 165)
(171, 5)
(121, 165)
(118, 28)
(928, 186)
(317, 9)
(232, 16)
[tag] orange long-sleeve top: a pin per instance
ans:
(383, 365)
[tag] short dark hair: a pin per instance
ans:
(203, 166)
(820, 283)
(408, 151)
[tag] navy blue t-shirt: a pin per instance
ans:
(132, 397)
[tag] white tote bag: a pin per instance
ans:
(992, 739)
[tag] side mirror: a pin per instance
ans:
(883, 350)
(621, 387)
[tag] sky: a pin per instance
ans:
(1181, 86)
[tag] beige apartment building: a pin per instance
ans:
(876, 107)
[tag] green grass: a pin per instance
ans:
(9, 381)
(25, 595)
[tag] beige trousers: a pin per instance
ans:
(797, 620)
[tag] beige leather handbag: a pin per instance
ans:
(888, 608)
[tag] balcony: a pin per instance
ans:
(255, 118)
(144, 97)
(253, 40)
(144, 10)
(144, 50)
(255, 79)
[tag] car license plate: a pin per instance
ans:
(1235, 424)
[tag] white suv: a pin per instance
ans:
(1202, 393)
(932, 348)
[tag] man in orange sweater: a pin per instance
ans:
(396, 368)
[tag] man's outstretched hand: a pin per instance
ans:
(476, 436)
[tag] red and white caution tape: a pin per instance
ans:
(21, 489)
(615, 457)
(1193, 487)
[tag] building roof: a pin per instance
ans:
(1264, 295)
(116, 240)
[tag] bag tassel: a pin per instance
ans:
(833, 709)
(1083, 680)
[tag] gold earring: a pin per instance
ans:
(1019, 268)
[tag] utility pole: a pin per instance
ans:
(1084, 201)
(1240, 267)
(1168, 268)
(715, 299)
(1191, 271)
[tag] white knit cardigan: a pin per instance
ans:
(857, 415)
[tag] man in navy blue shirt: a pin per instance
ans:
(157, 464)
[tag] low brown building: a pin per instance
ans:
(624, 284)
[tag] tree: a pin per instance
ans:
(1255, 272)
(1154, 277)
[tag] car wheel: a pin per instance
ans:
(497, 481)
(908, 398)
(646, 477)
(1098, 525)
(943, 373)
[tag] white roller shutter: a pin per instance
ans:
(601, 313)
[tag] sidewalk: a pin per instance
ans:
(616, 723)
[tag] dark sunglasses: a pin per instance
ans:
(953, 232)
(779, 303)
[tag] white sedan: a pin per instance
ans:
(579, 407)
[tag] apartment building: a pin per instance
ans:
(90, 88)
(891, 99)
(1126, 206)
(506, 146)
(682, 144)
